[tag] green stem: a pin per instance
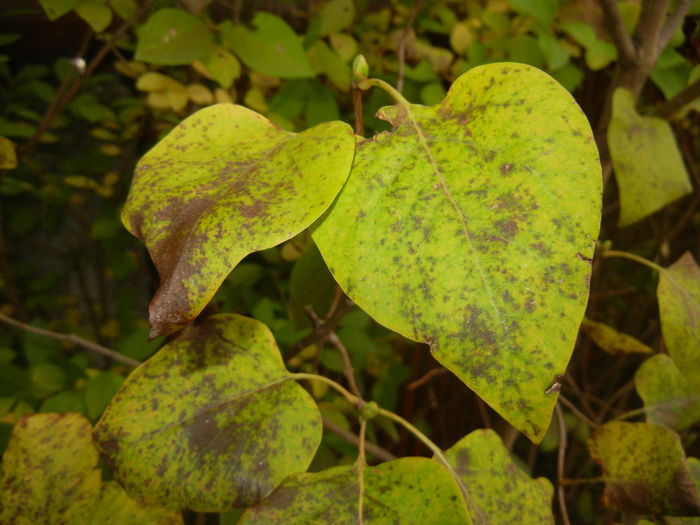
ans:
(361, 471)
(428, 443)
(633, 257)
(313, 377)
(391, 90)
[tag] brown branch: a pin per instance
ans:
(73, 339)
(561, 456)
(426, 378)
(651, 20)
(618, 31)
(673, 23)
(351, 438)
(320, 333)
(670, 107)
(401, 53)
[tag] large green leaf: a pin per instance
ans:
(499, 491)
(678, 294)
(173, 37)
(471, 226)
(272, 47)
(645, 469)
(670, 399)
(211, 422)
(50, 475)
(648, 166)
(226, 182)
(407, 490)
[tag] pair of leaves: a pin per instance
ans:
(50, 475)
(469, 227)
(217, 407)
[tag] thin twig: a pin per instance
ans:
(668, 108)
(351, 438)
(401, 52)
(651, 19)
(73, 339)
(321, 332)
(361, 463)
(561, 456)
(426, 378)
(617, 29)
(583, 417)
(673, 23)
(347, 364)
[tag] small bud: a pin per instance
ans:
(369, 410)
(360, 69)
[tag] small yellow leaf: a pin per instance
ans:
(222, 96)
(255, 99)
(153, 81)
(612, 341)
(461, 37)
(8, 157)
(199, 94)
(110, 149)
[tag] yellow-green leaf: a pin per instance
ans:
(211, 422)
(612, 341)
(173, 37)
(8, 157)
(648, 166)
(95, 13)
(470, 227)
(335, 16)
(407, 490)
(222, 66)
(670, 399)
(226, 182)
(678, 294)
(50, 475)
(645, 469)
(499, 491)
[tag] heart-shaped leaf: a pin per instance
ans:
(678, 294)
(669, 398)
(648, 165)
(499, 491)
(645, 469)
(224, 183)
(213, 408)
(50, 475)
(407, 490)
(471, 226)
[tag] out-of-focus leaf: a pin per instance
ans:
(598, 52)
(678, 294)
(554, 53)
(222, 66)
(458, 229)
(648, 166)
(226, 182)
(388, 487)
(320, 105)
(57, 8)
(271, 48)
(173, 37)
(100, 390)
(499, 491)
(310, 284)
(95, 13)
(8, 157)
(612, 341)
(344, 45)
(670, 399)
(325, 60)
(335, 16)
(645, 469)
(542, 10)
(200, 406)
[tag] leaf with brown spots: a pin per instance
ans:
(211, 422)
(678, 294)
(224, 183)
(471, 226)
(407, 490)
(645, 469)
(50, 475)
(499, 491)
(669, 398)
(612, 341)
(648, 165)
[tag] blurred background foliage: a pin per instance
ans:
(87, 86)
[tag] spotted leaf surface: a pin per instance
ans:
(49, 471)
(645, 469)
(678, 294)
(50, 475)
(499, 491)
(407, 490)
(213, 407)
(670, 399)
(648, 166)
(224, 183)
(470, 227)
